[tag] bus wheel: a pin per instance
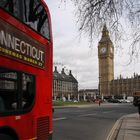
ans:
(5, 137)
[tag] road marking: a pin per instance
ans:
(85, 115)
(58, 119)
(107, 111)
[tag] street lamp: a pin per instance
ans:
(99, 85)
(100, 91)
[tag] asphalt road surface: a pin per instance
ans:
(88, 122)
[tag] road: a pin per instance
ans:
(88, 122)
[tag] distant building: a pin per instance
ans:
(85, 94)
(108, 86)
(64, 85)
(125, 86)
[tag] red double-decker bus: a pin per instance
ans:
(25, 70)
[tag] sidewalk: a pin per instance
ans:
(126, 128)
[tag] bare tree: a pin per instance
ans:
(121, 16)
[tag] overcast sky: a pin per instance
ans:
(73, 52)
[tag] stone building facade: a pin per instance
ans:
(87, 94)
(125, 86)
(108, 86)
(64, 85)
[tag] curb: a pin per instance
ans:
(115, 130)
(76, 106)
(82, 105)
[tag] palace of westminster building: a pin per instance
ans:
(108, 86)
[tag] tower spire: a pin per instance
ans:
(105, 28)
(105, 34)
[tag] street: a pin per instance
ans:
(88, 122)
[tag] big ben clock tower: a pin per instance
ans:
(106, 62)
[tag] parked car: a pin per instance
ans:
(113, 101)
(125, 101)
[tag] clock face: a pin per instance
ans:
(103, 50)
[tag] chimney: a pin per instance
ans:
(63, 72)
(134, 75)
(70, 73)
(55, 68)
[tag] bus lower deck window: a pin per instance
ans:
(17, 90)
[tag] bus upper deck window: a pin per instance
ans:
(36, 17)
(11, 6)
(31, 12)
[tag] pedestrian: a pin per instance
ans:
(99, 102)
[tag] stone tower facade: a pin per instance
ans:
(106, 63)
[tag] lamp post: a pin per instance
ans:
(99, 85)
(100, 91)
